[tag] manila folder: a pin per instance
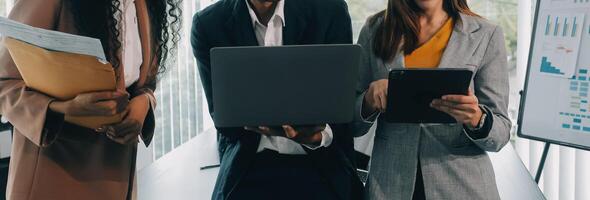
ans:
(64, 75)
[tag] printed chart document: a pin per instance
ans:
(60, 65)
(52, 40)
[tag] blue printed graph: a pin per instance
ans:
(546, 67)
(560, 45)
(564, 26)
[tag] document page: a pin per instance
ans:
(52, 40)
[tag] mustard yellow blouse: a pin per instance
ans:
(430, 53)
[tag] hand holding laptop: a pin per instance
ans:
(310, 134)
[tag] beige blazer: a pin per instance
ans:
(52, 159)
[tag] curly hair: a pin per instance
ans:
(100, 19)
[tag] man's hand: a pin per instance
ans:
(127, 131)
(309, 135)
(465, 109)
(265, 130)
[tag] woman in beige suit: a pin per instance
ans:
(53, 159)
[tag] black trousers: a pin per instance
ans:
(3, 177)
(419, 186)
(286, 177)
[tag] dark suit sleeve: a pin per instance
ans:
(202, 45)
(340, 31)
(201, 48)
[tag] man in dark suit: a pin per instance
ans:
(262, 163)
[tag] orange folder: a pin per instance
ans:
(63, 76)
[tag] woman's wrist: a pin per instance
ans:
(475, 123)
(366, 109)
(139, 107)
(58, 106)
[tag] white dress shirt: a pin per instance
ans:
(131, 52)
(272, 35)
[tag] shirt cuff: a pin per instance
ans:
(484, 130)
(327, 137)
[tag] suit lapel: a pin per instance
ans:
(240, 25)
(462, 45)
(294, 23)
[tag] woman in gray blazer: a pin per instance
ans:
(434, 161)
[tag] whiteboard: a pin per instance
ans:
(555, 106)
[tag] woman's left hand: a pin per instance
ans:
(464, 108)
(128, 130)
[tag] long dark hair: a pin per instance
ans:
(401, 26)
(100, 19)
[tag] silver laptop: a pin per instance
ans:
(294, 85)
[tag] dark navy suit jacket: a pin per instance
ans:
(228, 23)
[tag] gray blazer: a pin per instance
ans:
(454, 165)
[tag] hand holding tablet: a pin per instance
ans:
(411, 92)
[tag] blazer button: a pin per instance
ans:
(490, 143)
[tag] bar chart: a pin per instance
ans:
(546, 67)
(558, 58)
(561, 26)
(559, 48)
